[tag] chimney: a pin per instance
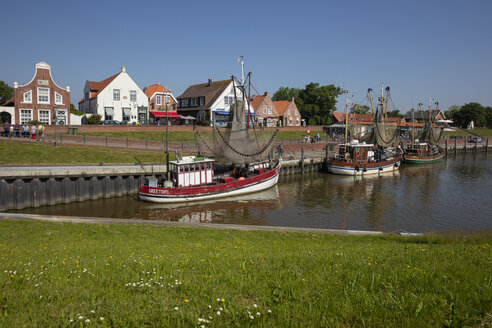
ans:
(209, 82)
(292, 99)
(267, 94)
(123, 69)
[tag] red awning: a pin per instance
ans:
(163, 114)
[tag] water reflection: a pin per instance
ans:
(450, 195)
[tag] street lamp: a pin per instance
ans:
(54, 118)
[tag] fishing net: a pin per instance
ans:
(235, 141)
(378, 133)
(431, 135)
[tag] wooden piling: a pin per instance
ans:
(486, 145)
(446, 147)
(464, 147)
(302, 158)
(455, 146)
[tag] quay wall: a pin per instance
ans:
(23, 187)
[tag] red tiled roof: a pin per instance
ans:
(256, 102)
(152, 89)
(281, 106)
(97, 87)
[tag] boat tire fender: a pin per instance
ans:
(357, 168)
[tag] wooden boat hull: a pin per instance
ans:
(197, 193)
(344, 168)
(412, 159)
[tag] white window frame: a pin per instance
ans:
(48, 121)
(28, 93)
(44, 102)
(133, 95)
(202, 101)
(158, 100)
(264, 109)
(22, 117)
(269, 109)
(194, 102)
(56, 100)
(116, 95)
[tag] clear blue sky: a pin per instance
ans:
(421, 49)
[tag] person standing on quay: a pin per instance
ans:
(6, 128)
(25, 130)
(33, 132)
(40, 131)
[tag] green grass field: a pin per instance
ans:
(184, 135)
(18, 153)
(465, 133)
(78, 275)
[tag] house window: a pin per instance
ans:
(228, 100)
(194, 102)
(264, 109)
(25, 116)
(133, 95)
(158, 100)
(44, 116)
(43, 95)
(184, 102)
(202, 101)
(269, 122)
(58, 98)
(116, 94)
(28, 97)
(269, 109)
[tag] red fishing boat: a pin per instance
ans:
(193, 179)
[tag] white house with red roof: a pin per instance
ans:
(116, 98)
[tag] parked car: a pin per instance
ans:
(110, 122)
(475, 139)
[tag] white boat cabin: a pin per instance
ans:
(418, 149)
(356, 152)
(191, 171)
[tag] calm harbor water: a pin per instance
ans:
(452, 195)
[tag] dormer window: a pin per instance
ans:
(43, 96)
(28, 97)
(194, 102)
(202, 101)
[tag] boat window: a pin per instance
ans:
(192, 167)
(186, 168)
(209, 165)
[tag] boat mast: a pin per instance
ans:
(413, 128)
(370, 97)
(386, 104)
(346, 122)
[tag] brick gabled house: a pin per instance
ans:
(266, 113)
(160, 98)
(421, 116)
(288, 113)
(41, 99)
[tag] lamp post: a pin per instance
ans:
(54, 118)
(167, 148)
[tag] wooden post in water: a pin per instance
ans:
(464, 147)
(486, 145)
(476, 146)
(455, 146)
(446, 147)
(302, 158)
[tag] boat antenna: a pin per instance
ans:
(386, 103)
(241, 61)
(347, 92)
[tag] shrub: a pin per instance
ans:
(94, 119)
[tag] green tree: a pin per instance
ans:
(94, 119)
(451, 112)
(315, 102)
(6, 92)
(395, 113)
(360, 109)
(488, 111)
(470, 112)
(285, 93)
(74, 111)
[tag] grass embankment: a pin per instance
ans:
(134, 276)
(18, 153)
(184, 135)
(466, 133)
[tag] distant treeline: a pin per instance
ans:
(462, 116)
